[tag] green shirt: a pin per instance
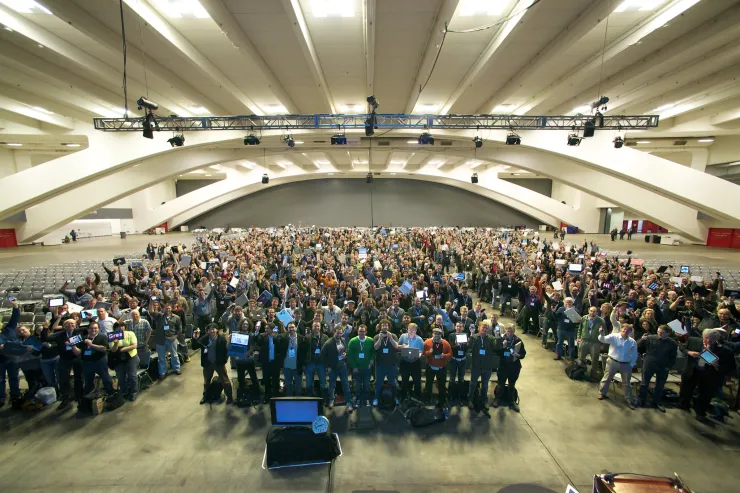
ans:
(355, 348)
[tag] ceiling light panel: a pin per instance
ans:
(635, 5)
(333, 8)
(26, 6)
(468, 8)
(181, 8)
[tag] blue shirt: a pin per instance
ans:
(417, 343)
(272, 349)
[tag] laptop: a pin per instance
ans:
(410, 353)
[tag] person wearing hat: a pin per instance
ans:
(437, 352)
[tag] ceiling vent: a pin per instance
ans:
(445, 142)
(384, 142)
(630, 144)
(680, 142)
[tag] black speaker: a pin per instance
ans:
(265, 179)
(589, 128)
(474, 178)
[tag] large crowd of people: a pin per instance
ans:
(360, 306)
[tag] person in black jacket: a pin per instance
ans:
(246, 365)
(213, 359)
(334, 354)
(660, 356)
(94, 359)
(271, 361)
(314, 363)
(707, 377)
(8, 364)
(293, 351)
(69, 361)
(510, 351)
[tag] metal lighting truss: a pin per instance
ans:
(381, 121)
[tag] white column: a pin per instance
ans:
(699, 159)
(22, 161)
(616, 219)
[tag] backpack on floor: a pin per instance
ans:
(719, 408)
(214, 391)
(576, 371)
(477, 400)
(387, 401)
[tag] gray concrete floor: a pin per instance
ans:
(165, 441)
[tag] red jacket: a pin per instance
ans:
(438, 362)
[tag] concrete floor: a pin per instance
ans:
(165, 441)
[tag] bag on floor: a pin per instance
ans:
(576, 371)
(47, 395)
(114, 401)
(424, 417)
(214, 391)
(720, 409)
(387, 401)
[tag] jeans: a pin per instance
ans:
(341, 372)
(51, 372)
(507, 372)
(485, 377)
(661, 375)
(292, 381)
(223, 374)
(564, 334)
(162, 350)
(311, 370)
(242, 368)
(504, 298)
(11, 367)
(457, 378)
(381, 373)
(128, 383)
(361, 377)
(411, 369)
(65, 366)
(99, 367)
(549, 324)
(441, 376)
(625, 370)
(533, 326)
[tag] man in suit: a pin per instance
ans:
(510, 351)
(213, 359)
(271, 359)
(660, 356)
(588, 339)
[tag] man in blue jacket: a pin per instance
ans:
(7, 363)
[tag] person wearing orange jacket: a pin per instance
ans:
(437, 352)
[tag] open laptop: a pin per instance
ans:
(410, 353)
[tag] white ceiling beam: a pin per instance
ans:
(717, 34)
(165, 29)
(704, 99)
(33, 85)
(590, 18)
(18, 108)
(300, 28)
(40, 102)
(498, 41)
(78, 18)
(444, 15)
(729, 118)
(368, 31)
(574, 78)
(233, 31)
(80, 57)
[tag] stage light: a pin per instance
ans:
(574, 140)
(513, 139)
(149, 124)
(426, 139)
(618, 142)
(177, 140)
(265, 179)
(373, 101)
(369, 178)
(589, 128)
(251, 140)
(338, 139)
(478, 142)
(369, 126)
(145, 103)
(600, 102)
(289, 141)
(474, 178)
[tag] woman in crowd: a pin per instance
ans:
(127, 362)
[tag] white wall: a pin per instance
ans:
(91, 227)
(725, 149)
(577, 199)
(147, 199)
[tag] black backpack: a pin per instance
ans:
(387, 401)
(418, 415)
(576, 371)
(214, 390)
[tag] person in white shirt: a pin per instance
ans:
(622, 358)
(105, 322)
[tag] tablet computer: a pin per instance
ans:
(74, 340)
(461, 338)
(708, 357)
(56, 302)
(684, 269)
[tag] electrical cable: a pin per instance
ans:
(143, 53)
(603, 52)
(125, 89)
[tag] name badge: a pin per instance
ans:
(461, 353)
(69, 348)
(341, 357)
(205, 351)
(385, 350)
(437, 356)
(482, 352)
(291, 353)
(88, 352)
(509, 286)
(166, 328)
(362, 355)
(318, 351)
(507, 353)
(222, 302)
(531, 304)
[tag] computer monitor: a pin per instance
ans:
(295, 411)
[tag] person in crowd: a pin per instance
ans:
(410, 366)
(588, 339)
(386, 347)
(511, 351)
(660, 355)
(459, 343)
(334, 354)
(482, 350)
(167, 328)
(49, 356)
(622, 358)
(531, 311)
(360, 355)
(127, 362)
(567, 330)
(93, 353)
(70, 361)
(213, 359)
(247, 364)
(78, 296)
(271, 360)
(292, 363)
(314, 363)
(699, 373)
(232, 318)
(437, 353)
(202, 308)
(8, 365)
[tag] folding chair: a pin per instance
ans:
(142, 373)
